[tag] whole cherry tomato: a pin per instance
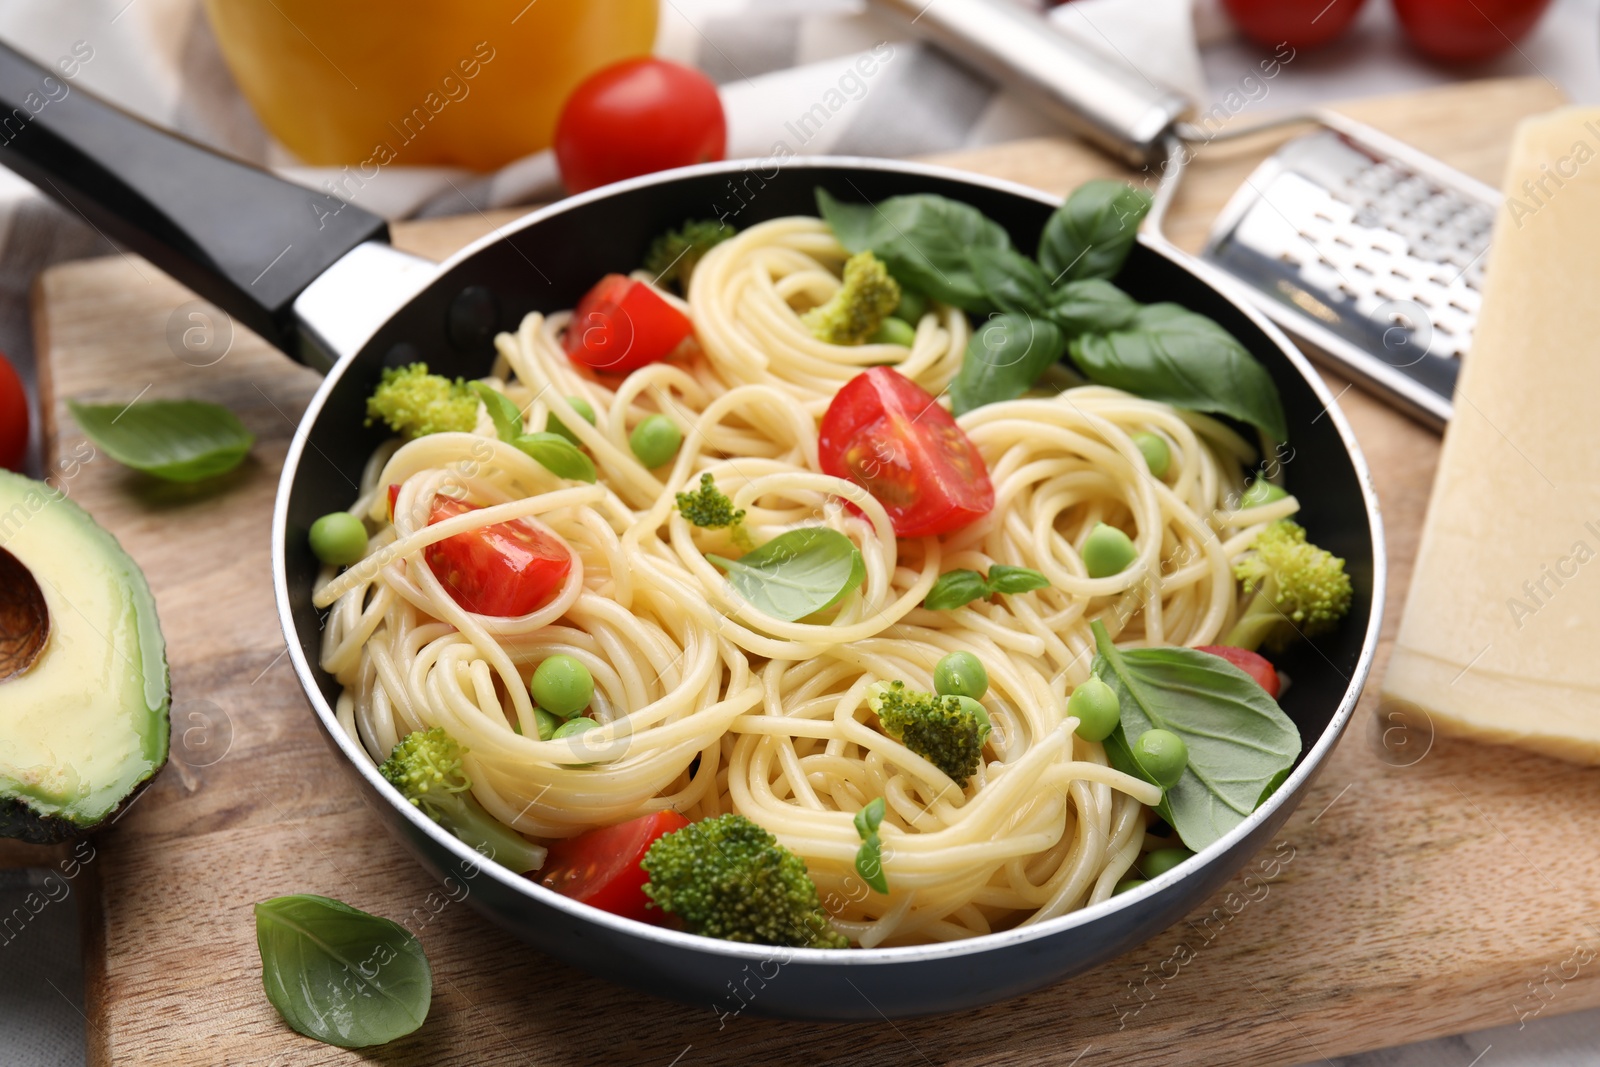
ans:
(637, 117)
(622, 324)
(1467, 31)
(1252, 663)
(885, 433)
(601, 867)
(1297, 23)
(13, 418)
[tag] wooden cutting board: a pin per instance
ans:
(1425, 888)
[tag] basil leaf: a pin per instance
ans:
(1239, 740)
(1010, 280)
(798, 573)
(339, 975)
(954, 589)
(1092, 305)
(1171, 354)
(1003, 360)
(1005, 579)
(1090, 235)
(179, 440)
(506, 415)
(557, 455)
(869, 857)
(922, 239)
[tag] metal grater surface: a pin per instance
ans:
(1372, 260)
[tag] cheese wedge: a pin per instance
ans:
(1500, 639)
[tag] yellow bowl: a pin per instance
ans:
(473, 83)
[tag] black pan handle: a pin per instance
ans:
(243, 239)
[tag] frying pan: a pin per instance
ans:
(316, 277)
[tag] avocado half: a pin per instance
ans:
(84, 723)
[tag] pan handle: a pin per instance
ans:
(245, 240)
(1106, 102)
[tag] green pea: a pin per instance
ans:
(913, 305)
(585, 411)
(977, 711)
(655, 440)
(339, 538)
(547, 723)
(1127, 884)
(562, 686)
(1162, 755)
(1155, 863)
(894, 331)
(1094, 705)
(574, 727)
(1108, 551)
(960, 674)
(1157, 456)
(1261, 492)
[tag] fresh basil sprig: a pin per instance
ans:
(553, 451)
(923, 239)
(1090, 235)
(958, 588)
(797, 573)
(1004, 358)
(340, 975)
(1171, 354)
(177, 440)
(1241, 744)
(869, 857)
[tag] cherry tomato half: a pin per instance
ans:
(506, 569)
(1256, 666)
(885, 433)
(637, 117)
(622, 324)
(13, 418)
(1467, 31)
(601, 867)
(1296, 23)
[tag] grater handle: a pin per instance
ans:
(1103, 100)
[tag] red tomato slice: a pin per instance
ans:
(1256, 666)
(601, 867)
(621, 324)
(13, 418)
(885, 433)
(506, 569)
(637, 117)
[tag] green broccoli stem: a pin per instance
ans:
(1261, 617)
(463, 816)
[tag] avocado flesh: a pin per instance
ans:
(87, 724)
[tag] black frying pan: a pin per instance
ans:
(318, 280)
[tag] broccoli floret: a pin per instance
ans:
(673, 256)
(947, 731)
(709, 507)
(416, 403)
(426, 768)
(1299, 589)
(867, 297)
(728, 878)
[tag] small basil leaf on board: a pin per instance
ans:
(869, 857)
(1010, 280)
(1007, 579)
(506, 415)
(1239, 740)
(1171, 354)
(1092, 305)
(1004, 358)
(557, 455)
(339, 975)
(178, 440)
(1090, 234)
(954, 589)
(797, 573)
(923, 239)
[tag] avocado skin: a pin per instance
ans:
(18, 820)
